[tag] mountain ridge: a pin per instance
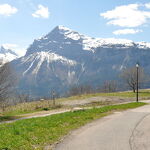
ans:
(90, 42)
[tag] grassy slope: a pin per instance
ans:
(17, 111)
(38, 132)
(130, 94)
(24, 108)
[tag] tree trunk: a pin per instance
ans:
(133, 89)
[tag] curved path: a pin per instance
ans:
(128, 130)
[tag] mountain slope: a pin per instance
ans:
(65, 57)
(42, 72)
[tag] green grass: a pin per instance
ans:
(6, 118)
(37, 133)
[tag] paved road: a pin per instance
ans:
(129, 130)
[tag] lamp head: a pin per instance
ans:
(137, 65)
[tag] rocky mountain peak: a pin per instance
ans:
(62, 28)
(6, 55)
(4, 50)
(65, 33)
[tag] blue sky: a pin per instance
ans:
(21, 21)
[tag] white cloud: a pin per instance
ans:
(127, 16)
(126, 31)
(16, 48)
(7, 10)
(147, 5)
(42, 12)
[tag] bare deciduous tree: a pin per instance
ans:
(23, 98)
(7, 81)
(109, 86)
(80, 89)
(129, 76)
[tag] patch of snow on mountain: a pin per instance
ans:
(28, 68)
(121, 67)
(7, 57)
(71, 76)
(74, 36)
(143, 45)
(40, 57)
(89, 43)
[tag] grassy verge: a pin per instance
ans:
(36, 133)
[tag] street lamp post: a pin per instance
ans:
(137, 82)
(53, 97)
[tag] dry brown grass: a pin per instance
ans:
(30, 107)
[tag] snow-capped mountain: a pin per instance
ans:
(6, 55)
(61, 36)
(65, 57)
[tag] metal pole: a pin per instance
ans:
(137, 85)
(53, 97)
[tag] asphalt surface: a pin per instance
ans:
(128, 130)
